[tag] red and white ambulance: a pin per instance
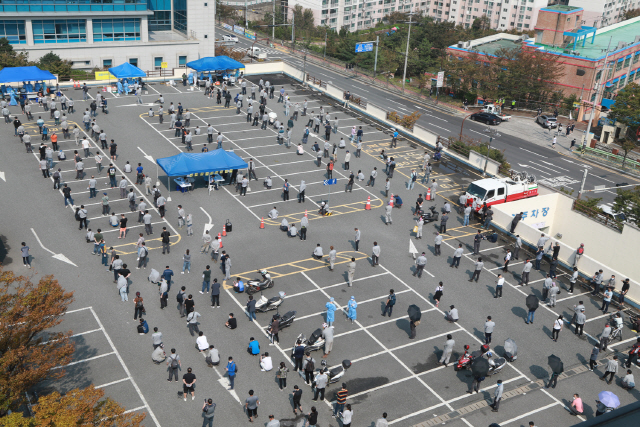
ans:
(494, 191)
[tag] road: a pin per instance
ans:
(552, 167)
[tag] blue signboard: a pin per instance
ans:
(330, 181)
(364, 47)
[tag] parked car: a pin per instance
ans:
(230, 38)
(488, 118)
(547, 121)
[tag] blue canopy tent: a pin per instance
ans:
(215, 63)
(202, 164)
(126, 71)
(23, 74)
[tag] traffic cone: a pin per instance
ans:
(262, 223)
(428, 197)
(220, 240)
(305, 214)
(367, 207)
(224, 230)
(391, 200)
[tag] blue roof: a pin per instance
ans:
(24, 74)
(195, 163)
(211, 63)
(127, 70)
(607, 102)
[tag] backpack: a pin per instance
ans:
(310, 366)
(78, 214)
(174, 362)
(180, 297)
(392, 300)
(138, 304)
(580, 251)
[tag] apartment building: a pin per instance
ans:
(600, 13)
(105, 33)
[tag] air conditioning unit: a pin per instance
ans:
(621, 45)
(461, 44)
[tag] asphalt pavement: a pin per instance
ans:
(532, 153)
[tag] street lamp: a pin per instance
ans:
(406, 55)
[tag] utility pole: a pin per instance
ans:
(246, 23)
(486, 161)
(325, 46)
(406, 56)
(584, 180)
(595, 101)
(375, 61)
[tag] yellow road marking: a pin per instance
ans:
(146, 242)
(335, 210)
(298, 267)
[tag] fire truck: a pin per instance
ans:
(494, 191)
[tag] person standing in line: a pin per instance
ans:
(375, 256)
(382, 422)
(477, 270)
(476, 243)
(297, 396)
(507, 259)
(251, 405)
(351, 272)
(138, 310)
(581, 318)
(207, 413)
(189, 381)
(180, 298)
(489, 325)
(606, 300)
(457, 255)
(497, 396)
(593, 359)
(321, 380)
(448, 349)
(231, 372)
(206, 279)
(215, 293)
(227, 266)
(438, 293)
(26, 258)
(610, 370)
(499, 286)
(166, 243)
(251, 308)
(186, 262)
(553, 294)
(604, 337)
(356, 239)
(558, 324)
(421, 263)
(597, 282)
(332, 257)
(387, 212)
(526, 269)
(372, 177)
(173, 362)
(391, 301)
(437, 242)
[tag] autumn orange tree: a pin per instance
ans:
(28, 348)
(79, 407)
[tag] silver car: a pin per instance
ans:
(547, 121)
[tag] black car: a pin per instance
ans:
(488, 118)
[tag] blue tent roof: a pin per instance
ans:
(211, 63)
(127, 70)
(24, 74)
(186, 164)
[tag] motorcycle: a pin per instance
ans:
(495, 366)
(254, 286)
(263, 304)
(464, 362)
(285, 320)
(335, 374)
(431, 216)
(315, 341)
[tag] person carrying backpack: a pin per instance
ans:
(309, 366)
(173, 362)
(391, 301)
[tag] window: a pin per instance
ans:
(133, 61)
(107, 63)
(180, 16)
(59, 31)
(627, 62)
(636, 57)
(501, 191)
(157, 62)
(526, 25)
(619, 66)
(182, 60)
(109, 30)
(161, 19)
(13, 31)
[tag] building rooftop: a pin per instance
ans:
(561, 8)
(493, 46)
(626, 33)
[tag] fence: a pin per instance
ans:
(596, 215)
(356, 100)
(610, 158)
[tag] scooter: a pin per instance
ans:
(254, 286)
(285, 320)
(495, 366)
(315, 341)
(464, 362)
(432, 216)
(335, 374)
(263, 304)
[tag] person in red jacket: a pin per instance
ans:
(634, 353)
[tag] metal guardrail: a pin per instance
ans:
(355, 100)
(610, 158)
(597, 216)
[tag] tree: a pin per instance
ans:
(627, 202)
(9, 57)
(626, 111)
(55, 64)
(76, 408)
(223, 11)
(28, 350)
(628, 14)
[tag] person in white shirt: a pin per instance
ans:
(317, 252)
(266, 363)
(201, 342)
(499, 285)
(273, 213)
(347, 414)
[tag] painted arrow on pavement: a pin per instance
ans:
(60, 257)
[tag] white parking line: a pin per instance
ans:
(113, 382)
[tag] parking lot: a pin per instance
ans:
(389, 371)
